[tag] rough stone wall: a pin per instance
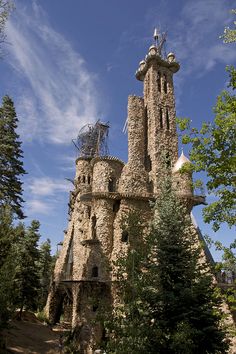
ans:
(106, 174)
(134, 178)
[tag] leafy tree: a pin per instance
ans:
(168, 303)
(45, 271)
(229, 35)
(11, 165)
(26, 280)
(213, 150)
(5, 9)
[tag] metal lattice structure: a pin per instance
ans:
(92, 140)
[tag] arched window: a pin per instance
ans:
(159, 81)
(89, 179)
(165, 83)
(83, 179)
(124, 236)
(79, 179)
(95, 307)
(112, 185)
(95, 272)
(161, 118)
(167, 119)
(116, 206)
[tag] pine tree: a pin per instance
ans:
(45, 272)
(26, 279)
(168, 302)
(8, 234)
(11, 165)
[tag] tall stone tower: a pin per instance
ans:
(106, 189)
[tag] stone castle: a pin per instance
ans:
(106, 189)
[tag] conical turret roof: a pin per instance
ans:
(180, 162)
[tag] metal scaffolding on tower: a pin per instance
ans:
(92, 140)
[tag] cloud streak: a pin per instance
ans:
(194, 34)
(44, 193)
(58, 95)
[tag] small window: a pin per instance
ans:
(116, 206)
(148, 163)
(165, 83)
(94, 222)
(89, 179)
(168, 161)
(83, 179)
(124, 236)
(79, 179)
(161, 118)
(89, 212)
(95, 272)
(95, 307)
(159, 81)
(167, 119)
(112, 185)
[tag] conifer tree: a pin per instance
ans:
(168, 302)
(45, 272)
(26, 280)
(11, 165)
(8, 234)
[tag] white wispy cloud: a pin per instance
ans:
(44, 193)
(58, 93)
(36, 207)
(194, 33)
(46, 186)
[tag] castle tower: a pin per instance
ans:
(106, 190)
(161, 141)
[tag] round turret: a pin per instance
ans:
(170, 57)
(83, 176)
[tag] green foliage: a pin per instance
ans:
(5, 9)
(7, 264)
(26, 279)
(45, 264)
(11, 165)
(229, 35)
(213, 150)
(167, 301)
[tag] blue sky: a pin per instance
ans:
(70, 63)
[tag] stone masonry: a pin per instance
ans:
(106, 189)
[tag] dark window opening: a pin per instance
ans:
(89, 212)
(161, 118)
(83, 179)
(159, 81)
(94, 221)
(165, 83)
(116, 206)
(124, 236)
(112, 185)
(89, 179)
(167, 119)
(95, 307)
(95, 272)
(148, 163)
(79, 179)
(168, 161)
